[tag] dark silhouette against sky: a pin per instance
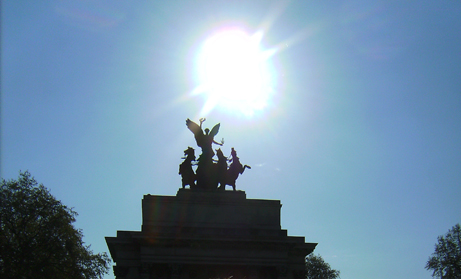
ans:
(347, 112)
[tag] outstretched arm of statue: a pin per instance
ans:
(219, 143)
(201, 121)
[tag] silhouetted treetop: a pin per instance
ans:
(37, 238)
(445, 262)
(317, 268)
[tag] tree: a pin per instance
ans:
(37, 238)
(446, 260)
(317, 268)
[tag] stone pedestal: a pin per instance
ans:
(208, 234)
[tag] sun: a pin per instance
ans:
(234, 72)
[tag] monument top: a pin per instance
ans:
(206, 232)
(210, 172)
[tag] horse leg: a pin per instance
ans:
(246, 166)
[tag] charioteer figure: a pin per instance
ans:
(188, 176)
(209, 174)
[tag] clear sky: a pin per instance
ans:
(359, 134)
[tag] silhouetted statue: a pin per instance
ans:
(206, 176)
(235, 169)
(188, 176)
(209, 174)
(204, 140)
(229, 176)
(221, 170)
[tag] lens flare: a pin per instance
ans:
(235, 73)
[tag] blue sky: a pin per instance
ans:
(360, 139)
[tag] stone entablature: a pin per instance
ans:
(209, 234)
(210, 209)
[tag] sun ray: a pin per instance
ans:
(234, 71)
(236, 74)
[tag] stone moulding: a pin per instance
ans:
(208, 234)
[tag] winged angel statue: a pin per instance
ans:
(204, 140)
(209, 172)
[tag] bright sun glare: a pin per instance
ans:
(234, 73)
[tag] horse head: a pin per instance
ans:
(190, 153)
(220, 154)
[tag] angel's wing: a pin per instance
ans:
(193, 127)
(215, 130)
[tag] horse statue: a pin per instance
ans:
(188, 176)
(221, 170)
(235, 169)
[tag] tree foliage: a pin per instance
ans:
(446, 260)
(317, 268)
(37, 238)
